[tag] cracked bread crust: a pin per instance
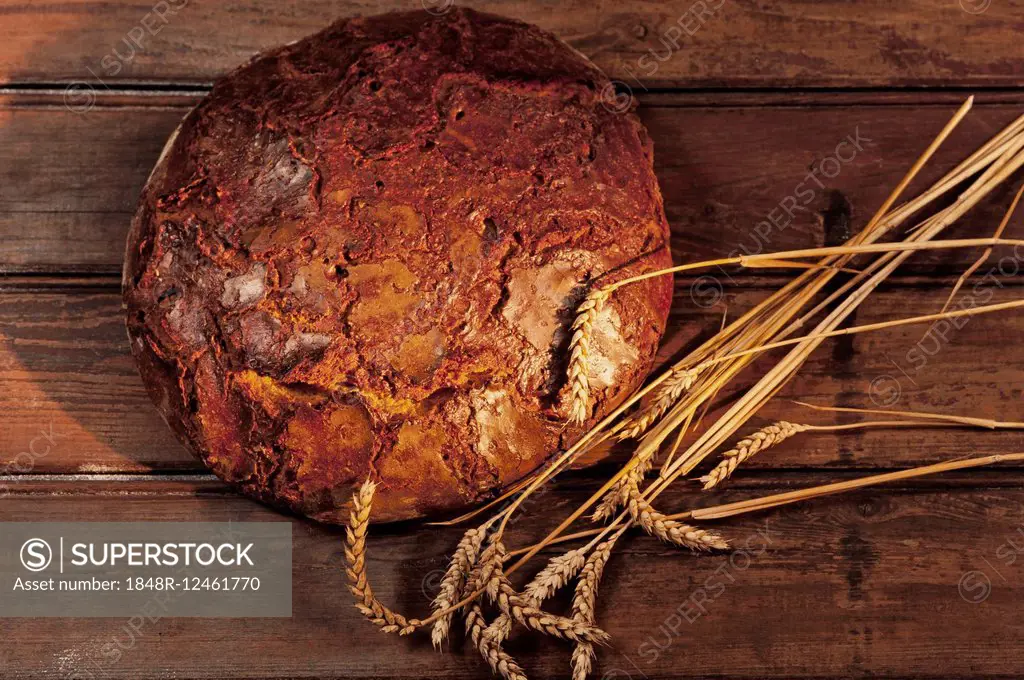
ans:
(360, 256)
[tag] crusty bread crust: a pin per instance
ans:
(361, 254)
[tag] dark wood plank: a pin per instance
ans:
(734, 170)
(867, 584)
(682, 43)
(70, 181)
(72, 400)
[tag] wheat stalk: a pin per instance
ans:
(614, 498)
(610, 502)
(765, 438)
(579, 353)
(669, 530)
(644, 459)
(1002, 166)
(582, 660)
(787, 307)
(782, 307)
(776, 500)
(355, 553)
(499, 629)
(946, 419)
(985, 254)
(491, 566)
(453, 585)
(777, 432)
(855, 247)
(501, 661)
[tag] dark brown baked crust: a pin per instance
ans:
(361, 252)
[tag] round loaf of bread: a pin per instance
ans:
(360, 256)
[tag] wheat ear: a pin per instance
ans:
(453, 585)
(674, 387)
(612, 500)
(669, 530)
(498, 659)
(558, 572)
(521, 611)
(579, 353)
(583, 603)
(355, 553)
(511, 603)
(765, 438)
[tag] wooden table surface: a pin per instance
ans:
(915, 580)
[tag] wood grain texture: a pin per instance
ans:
(73, 401)
(920, 580)
(740, 174)
(681, 43)
(867, 584)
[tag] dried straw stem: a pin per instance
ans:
(984, 423)
(776, 500)
(864, 328)
(988, 251)
(355, 553)
(465, 517)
